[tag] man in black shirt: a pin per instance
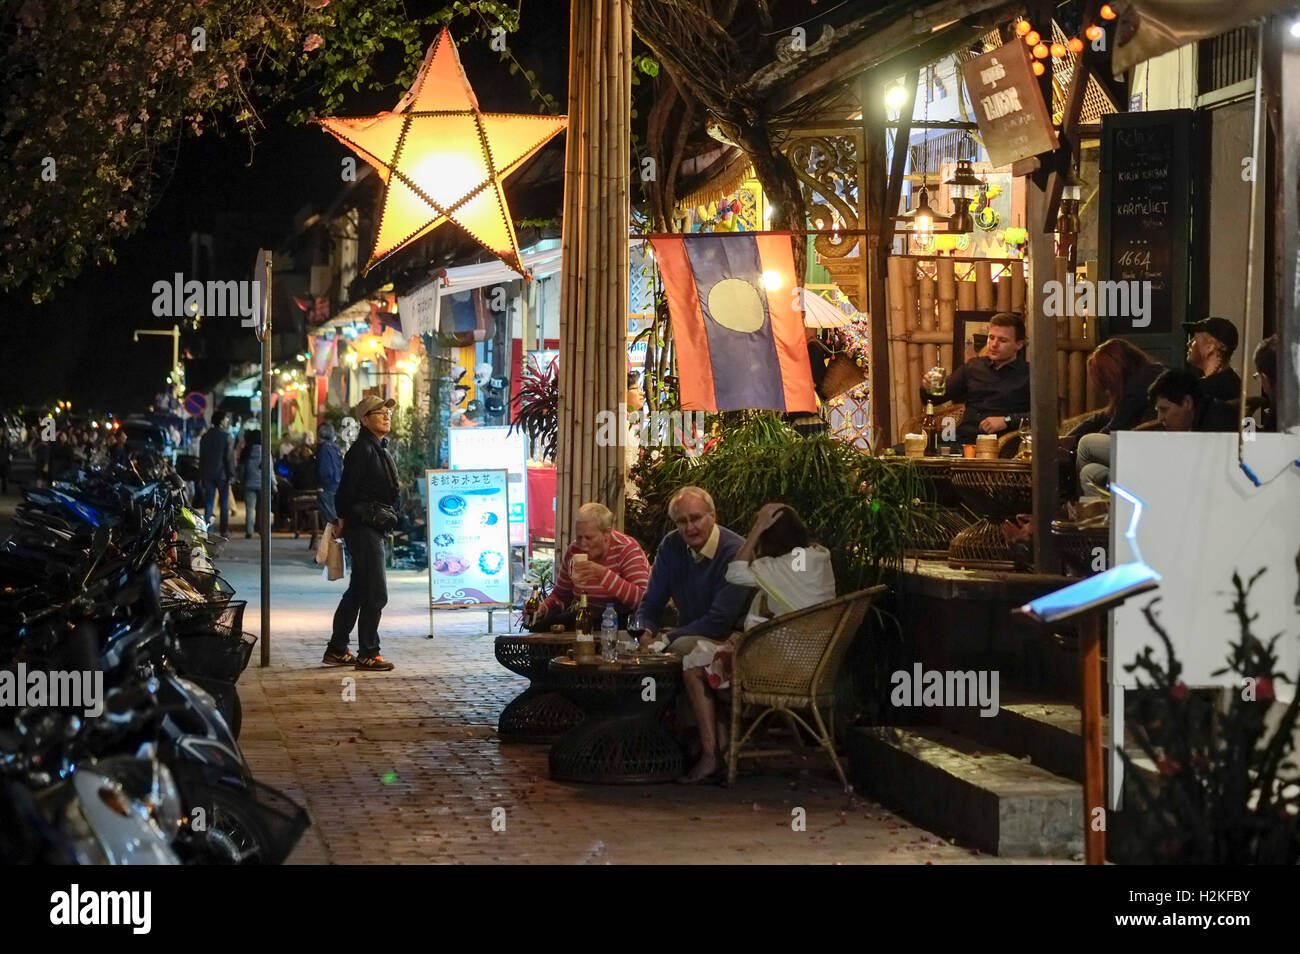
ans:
(1182, 405)
(1209, 348)
(995, 385)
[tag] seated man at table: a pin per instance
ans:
(1182, 405)
(691, 568)
(993, 385)
(606, 565)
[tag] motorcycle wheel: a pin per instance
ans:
(234, 834)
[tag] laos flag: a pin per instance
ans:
(733, 301)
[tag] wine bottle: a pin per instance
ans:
(930, 428)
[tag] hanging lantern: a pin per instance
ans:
(1075, 45)
(1107, 12)
(1067, 221)
(1022, 27)
(443, 160)
(1037, 68)
(1058, 50)
(1094, 33)
(922, 220)
(1040, 51)
(963, 189)
(1032, 38)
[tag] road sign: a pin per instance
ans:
(195, 404)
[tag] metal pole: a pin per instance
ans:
(268, 465)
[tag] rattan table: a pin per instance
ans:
(623, 740)
(538, 714)
(997, 490)
(949, 517)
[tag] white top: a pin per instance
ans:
(799, 579)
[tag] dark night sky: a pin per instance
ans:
(78, 345)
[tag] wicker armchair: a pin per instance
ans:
(788, 666)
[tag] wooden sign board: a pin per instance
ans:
(1009, 107)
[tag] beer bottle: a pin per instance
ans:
(531, 606)
(930, 428)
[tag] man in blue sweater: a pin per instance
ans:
(691, 567)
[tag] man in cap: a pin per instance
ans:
(369, 479)
(1210, 345)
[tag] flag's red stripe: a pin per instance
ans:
(787, 324)
(694, 369)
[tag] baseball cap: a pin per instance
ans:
(1220, 328)
(371, 402)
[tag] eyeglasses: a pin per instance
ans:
(386, 411)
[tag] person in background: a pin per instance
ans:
(217, 469)
(790, 573)
(994, 385)
(251, 474)
(1125, 373)
(369, 477)
(1181, 405)
(1266, 370)
(1209, 349)
(329, 466)
(615, 569)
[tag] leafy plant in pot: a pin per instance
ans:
(537, 407)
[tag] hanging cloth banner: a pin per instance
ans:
(732, 299)
(1149, 28)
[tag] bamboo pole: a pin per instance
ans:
(1003, 286)
(911, 312)
(1017, 270)
(897, 348)
(985, 297)
(929, 320)
(1078, 396)
(966, 296)
(947, 306)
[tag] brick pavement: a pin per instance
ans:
(411, 771)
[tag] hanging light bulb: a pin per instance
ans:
(1108, 12)
(1032, 38)
(1037, 67)
(1094, 33)
(1022, 27)
(1040, 51)
(1075, 45)
(1058, 50)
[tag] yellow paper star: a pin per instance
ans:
(441, 159)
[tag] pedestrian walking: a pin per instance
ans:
(217, 469)
(330, 469)
(366, 501)
(251, 475)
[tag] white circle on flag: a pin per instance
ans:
(736, 304)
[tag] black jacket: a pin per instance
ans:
(217, 456)
(1134, 406)
(369, 476)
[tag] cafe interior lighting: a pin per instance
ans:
(1038, 68)
(1058, 50)
(1032, 38)
(1041, 51)
(1075, 45)
(963, 189)
(1094, 33)
(1295, 29)
(1108, 12)
(772, 280)
(1022, 27)
(895, 97)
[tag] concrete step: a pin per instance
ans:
(967, 790)
(1047, 733)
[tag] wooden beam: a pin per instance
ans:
(1069, 139)
(895, 187)
(1094, 798)
(905, 33)
(874, 252)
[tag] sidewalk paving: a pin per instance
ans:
(412, 771)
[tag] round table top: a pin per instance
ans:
(539, 638)
(661, 661)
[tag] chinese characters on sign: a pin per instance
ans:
(1009, 108)
(469, 544)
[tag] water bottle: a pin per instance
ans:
(609, 633)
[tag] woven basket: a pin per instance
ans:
(994, 488)
(841, 375)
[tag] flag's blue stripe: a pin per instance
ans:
(746, 371)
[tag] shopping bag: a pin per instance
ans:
(334, 566)
(323, 550)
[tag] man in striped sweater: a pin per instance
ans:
(610, 567)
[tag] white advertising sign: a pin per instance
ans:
(469, 545)
(484, 448)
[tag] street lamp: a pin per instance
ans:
(177, 377)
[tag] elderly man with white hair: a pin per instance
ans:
(608, 566)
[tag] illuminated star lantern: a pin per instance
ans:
(442, 160)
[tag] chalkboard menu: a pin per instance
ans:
(1146, 227)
